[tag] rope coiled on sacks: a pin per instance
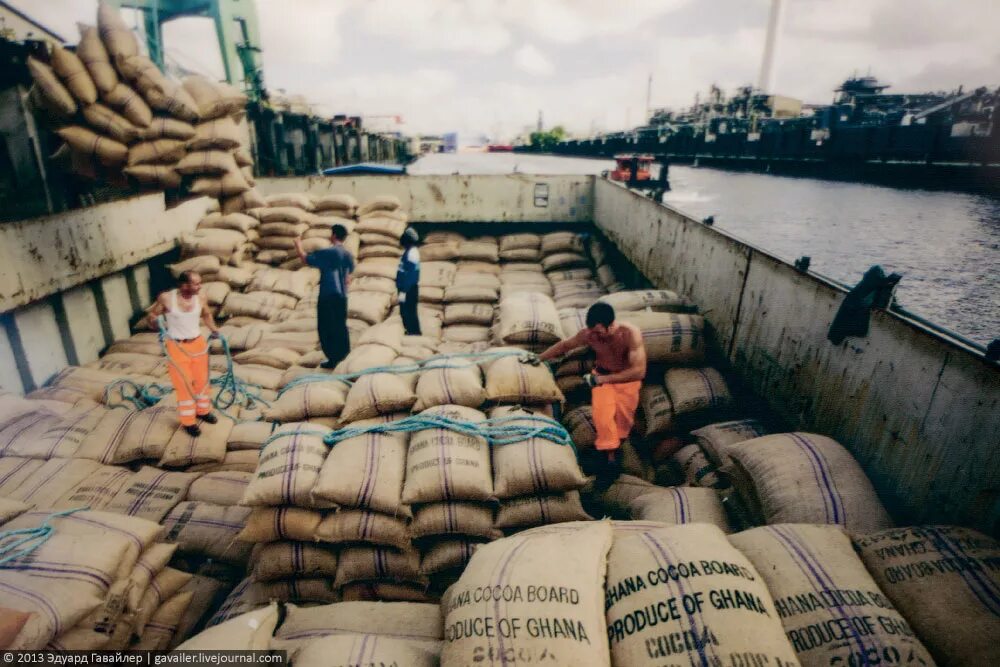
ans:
(231, 390)
(456, 360)
(26, 540)
(497, 431)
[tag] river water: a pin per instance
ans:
(945, 244)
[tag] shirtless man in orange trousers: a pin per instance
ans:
(184, 311)
(615, 382)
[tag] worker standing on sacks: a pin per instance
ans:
(184, 311)
(615, 381)
(335, 266)
(408, 282)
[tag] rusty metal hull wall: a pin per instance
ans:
(919, 411)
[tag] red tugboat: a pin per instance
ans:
(626, 162)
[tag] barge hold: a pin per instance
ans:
(440, 498)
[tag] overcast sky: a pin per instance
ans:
(489, 66)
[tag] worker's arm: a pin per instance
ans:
(159, 308)
(301, 253)
(207, 319)
(636, 364)
(563, 347)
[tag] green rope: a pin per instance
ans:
(26, 540)
(457, 360)
(130, 393)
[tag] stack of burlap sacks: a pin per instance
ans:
(120, 116)
(632, 593)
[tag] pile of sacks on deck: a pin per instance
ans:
(120, 116)
(632, 593)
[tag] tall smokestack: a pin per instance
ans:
(766, 78)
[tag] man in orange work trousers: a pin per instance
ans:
(187, 350)
(619, 369)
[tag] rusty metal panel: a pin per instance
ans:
(42, 256)
(456, 198)
(675, 252)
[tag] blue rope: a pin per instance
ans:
(431, 363)
(497, 431)
(231, 390)
(30, 538)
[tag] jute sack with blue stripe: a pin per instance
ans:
(284, 560)
(535, 465)
(683, 595)
(681, 504)
(832, 610)
(806, 478)
(546, 582)
(715, 438)
(540, 510)
(414, 621)
(945, 582)
(367, 649)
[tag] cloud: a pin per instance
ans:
(533, 61)
(470, 26)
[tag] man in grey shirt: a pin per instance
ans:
(335, 265)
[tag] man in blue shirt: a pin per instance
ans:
(408, 281)
(335, 265)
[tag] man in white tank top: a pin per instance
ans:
(187, 350)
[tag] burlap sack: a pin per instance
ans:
(151, 493)
(806, 478)
(289, 467)
(563, 261)
(448, 554)
(219, 488)
(130, 104)
(52, 89)
(437, 274)
(249, 200)
(157, 151)
(511, 380)
(302, 591)
(97, 490)
(539, 510)
(669, 337)
(303, 625)
(274, 357)
(377, 394)
(519, 242)
(379, 268)
(944, 582)
(437, 252)
(336, 202)
(367, 563)
(152, 561)
(657, 410)
(213, 99)
(64, 579)
(446, 465)
(528, 318)
(468, 313)
(580, 425)
(219, 133)
(365, 472)
(618, 498)
(164, 127)
(462, 385)
(478, 251)
(351, 649)
(465, 333)
(53, 479)
(244, 461)
(663, 301)
(105, 121)
(284, 560)
(271, 524)
(208, 530)
(715, 438)
(370, 307)
(559, 242)
(453, 518)
(205, 592)
(533, 466)
(712, 603)
(697, 469)
(10, 509)
(681, 504)
(222, 243)
(386, 591)
(361, 526)
(160, 629)
(107, 151)
(170, 97)
(54, 436)
(305, 401)
(550, 581)
(696, 390)
(118, 38)
(96, 59)
(146, 434)
(251, 632)
(461, 292)
(212, 162)
(381, 226)
(832, 610)
(606, 276)
(209, 447)
(226, 185)
(155, 175)
(379, 203)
